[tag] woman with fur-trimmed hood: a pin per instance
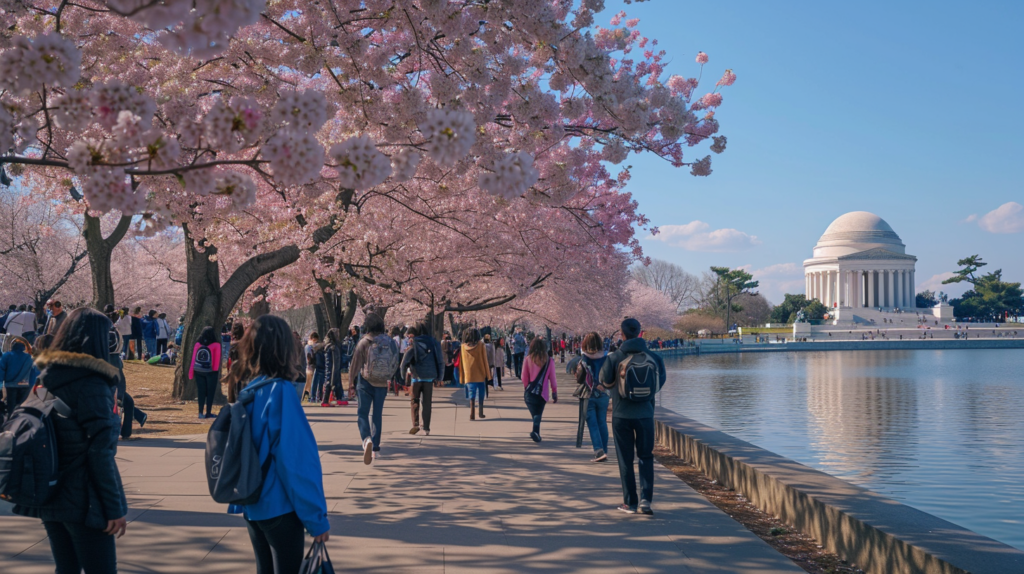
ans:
(89, 507)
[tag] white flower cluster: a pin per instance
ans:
(201, 181)
(111, 98)
(106, 189)
(305, 110)
(237, 186)
(701, 168)
(73, 110)
(129, 130)
(233, 125)
(614, 151)
(31, 63)
(295, 156)
(404, 164)
(360, 166)
(202, 28)
(510, 176)
(673, 118)
(14, 134)
(451, 135)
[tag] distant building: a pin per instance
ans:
(860, 262)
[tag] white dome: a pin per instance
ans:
(855, 232)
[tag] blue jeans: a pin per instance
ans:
(317, 388)
(151, 346)
(370, 395)
(475, 391)
(597, 421)
(635, 436)
(125, 350)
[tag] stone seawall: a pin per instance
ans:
(879, 535)
(876, 345)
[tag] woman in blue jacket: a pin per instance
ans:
(292, 499)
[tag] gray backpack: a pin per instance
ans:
(381, 361)
(233, 469)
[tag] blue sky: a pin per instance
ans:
(912, 112)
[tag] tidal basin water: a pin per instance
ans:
(942, 431)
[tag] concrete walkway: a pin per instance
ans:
(474, 497)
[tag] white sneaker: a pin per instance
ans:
(368, 454)
(376, 455)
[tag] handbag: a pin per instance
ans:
(585, 388)
(536, 387)
(317, 561)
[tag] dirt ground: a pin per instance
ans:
(150, 386)
(800, 548)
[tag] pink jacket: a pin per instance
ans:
(214, 354)
(549, 385)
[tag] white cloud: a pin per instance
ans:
(695, 236)
(777, 280)
(1007, 218)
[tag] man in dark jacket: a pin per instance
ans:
(150, 331)
(426, 361)
(136, 340)
(54, 322)
(17, 374)
(633, 422)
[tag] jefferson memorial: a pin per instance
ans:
(860, 262)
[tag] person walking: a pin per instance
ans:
(318, 362)
(489, 351)
(17, 376)
(539, 382)
(205, 369)
(374, 362)
(163, 333)
(59, 316)
(332, 368)
(499, 363)
(426, 362)
(20, 322)
(87, 512)
(587, 371)
(518, 351)
(474, 370)
(136, 340)
(633, 421)
(310, 360)
(292, 497)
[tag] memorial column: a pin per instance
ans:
(889, 278)
(871, 289)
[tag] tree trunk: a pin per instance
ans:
(209, 303)
(260, 306)
(100, 250)
(321, 319)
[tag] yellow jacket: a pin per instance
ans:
(473, 364)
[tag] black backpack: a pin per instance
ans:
(204, 359)
(29, 469)
(233, 470)
(638, 377)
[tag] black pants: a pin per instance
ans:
(206, 385)
(279, 543)
(130, 412)
(16, 396)
(76, 547)
(638, 435)
(422, 392)
(535, 404)
(517, 360)
(161, 346)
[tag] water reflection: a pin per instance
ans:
(939, 430)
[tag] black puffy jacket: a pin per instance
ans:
(91, 492)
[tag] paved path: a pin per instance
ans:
(474, 497)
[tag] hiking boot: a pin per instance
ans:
(145, 417)
(599, 456)
(535, 436)
(368, 451)
(414, 430)
(626, 508)
(480, 414)
(645, 508)
(472, 410)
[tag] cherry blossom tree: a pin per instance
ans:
(256, 127)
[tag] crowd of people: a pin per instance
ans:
(272, 371)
